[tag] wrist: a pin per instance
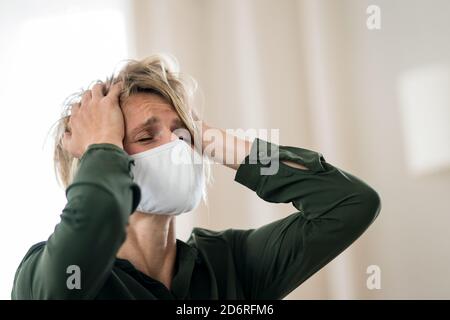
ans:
(114, 142)
(118, 144)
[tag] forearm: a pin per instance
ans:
(223, 147)
(227, 149)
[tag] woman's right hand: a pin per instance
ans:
(97, 118)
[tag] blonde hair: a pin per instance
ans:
(158, 74)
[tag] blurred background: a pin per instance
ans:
(374, 101)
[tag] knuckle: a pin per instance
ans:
(97, 86)
(87, 93)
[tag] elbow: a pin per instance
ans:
(372, 202)
(368, 207)
(110, 216)
(96, 211)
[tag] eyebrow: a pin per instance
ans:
(147, 124)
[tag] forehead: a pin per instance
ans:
(139, 106)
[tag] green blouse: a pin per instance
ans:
(333, 208)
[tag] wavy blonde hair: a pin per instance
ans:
(158, 74)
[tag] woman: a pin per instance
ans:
(125, 156)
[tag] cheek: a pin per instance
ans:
(135, 148)
(132, 148)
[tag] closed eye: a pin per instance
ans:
(145, 139)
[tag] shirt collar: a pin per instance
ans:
(186, 257)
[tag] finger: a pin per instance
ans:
(74, 109)
(115, 89)
(87, 96)
(97, 91)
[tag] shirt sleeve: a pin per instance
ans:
(334, 209)
(91, 230)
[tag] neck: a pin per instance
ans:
(150, 245)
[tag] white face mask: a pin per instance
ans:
(170, 177)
